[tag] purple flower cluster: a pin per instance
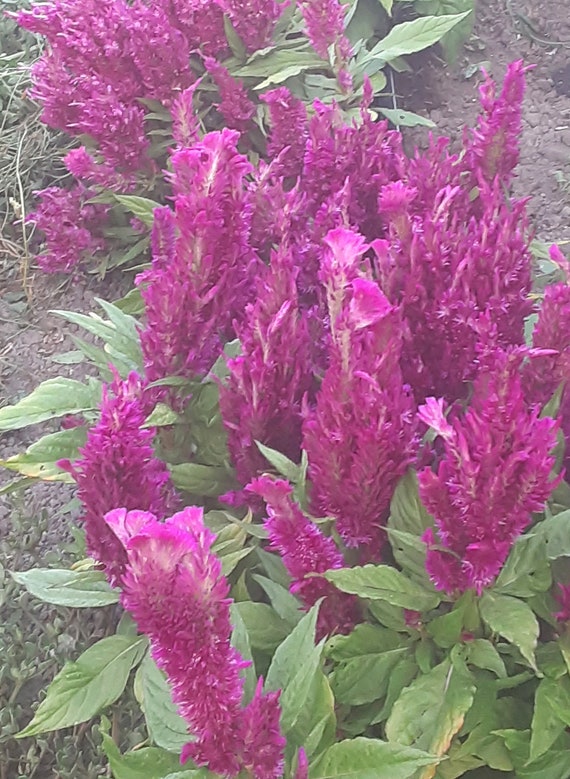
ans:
(202, 263)
(306, 551)
(360, 434)
(495, 471)
(174, 588)
(118, 467)
(72, 227)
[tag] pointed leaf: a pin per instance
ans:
(514, 620)
(366, 758)
(53, 398)
(84, 688)
(382, 582)
(297, 648)
(419, 34)
(166, 727)
(77, 589)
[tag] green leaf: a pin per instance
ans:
(365, 639)
(278, 65)
(401, 118)
(166, 727)
(387, 5)
(77, 589)
(365, 679)
(147, 763)
(513, 619)
(526, 570)
(554, 764)
(482, 654)
(265, 629)
(551, 714)
(410, 37)
(432, 709)
(295, 650)
(283, 465)
(401, 676)
(240, 640)
(208, 480)
(141, 207)
(451, 41)
(366, 758)
(53, 398)
(40, 459)
(446, 629)
(285, 604)
(407, 523)
(556, 531)
(382, 582)
(162, 416)
(84, 688)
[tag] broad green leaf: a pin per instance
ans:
(554, 764)
(365, 679)
(451, 41)
(40, 459)
(315, 728)
(274, 568)
(482, 654)
(295, 650)
(551, 714)
(366, 758)
(162, 416)
(283, 465)
(401, 118)
(265, 629)
(231, 560)
(382, 582)
(430, 712)
(556, 531)
(84, 688)
(513, 619)
(285, 604)
(526, 570)
(146, 763)
(53, 398)
(387, 5)
(365, 639)
(209, 480)
(166, 727)
(389, 616)
(419, 34)
(141, 207)
(77, 589)
(296, 694)
(278, 63)
(240, 640)
(401, 676)
(446, 629)
(409, 518)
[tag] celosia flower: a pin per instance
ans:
(495, 472)
(495, 144)
(253, 20)
(72, 227)
(262, 398)
(81, 164)
(235, 105)
(288, 136)
(200, 279)
(324, 20)
(117, 466)
(562, 597)
(306, 551)
(174, 588)
(360, 436)
(185, 125)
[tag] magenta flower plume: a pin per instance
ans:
(306, 551)
(562, 597)
(495, 142)
(324, 21)
(193, 297)
(72, 227)
(262, 398)
(495, 472)
(289, 130)
(234, 105)
(174, 588)
(360, 436)
(117, 467)
(253, 20)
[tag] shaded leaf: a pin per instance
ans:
(77, 589)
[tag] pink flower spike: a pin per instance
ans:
(432, 413)
(368, 304)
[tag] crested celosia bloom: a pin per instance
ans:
(261, 400)
(192, 299)
(234, 105)
(185, 126)
(174, 588)
(81, 164)
(71, 225)
(117, 467)
(562, 597)
(288, 136)
(324, 20)
(495, 144)
(495, 471)
(253, 20)
(306, 551)
(360, 435)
